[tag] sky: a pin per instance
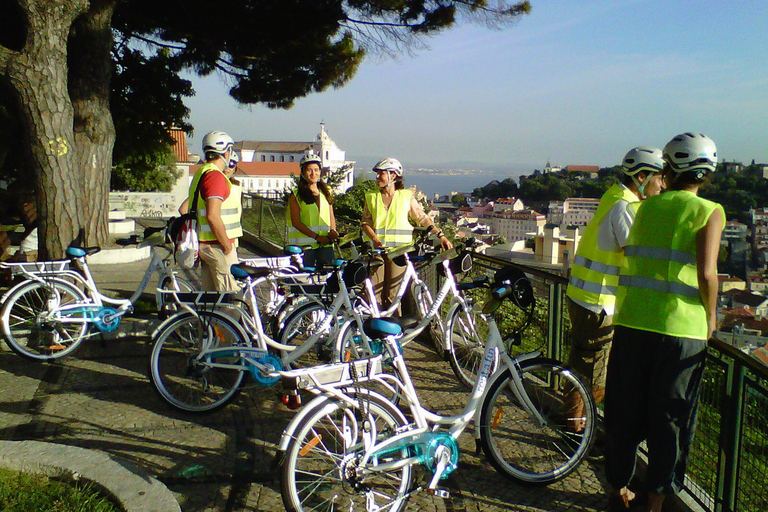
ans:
(573, 83)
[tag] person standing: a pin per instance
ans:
(666, 311)
(218, 213)
(311, 215)
(591, 292)
(386, 223)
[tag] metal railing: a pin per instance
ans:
(728, 463)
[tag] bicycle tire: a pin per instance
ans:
(516, 444)
(176, 371)
(319, 472)
(166, 308)
(300, 325)
(466, 344)
(31, 336)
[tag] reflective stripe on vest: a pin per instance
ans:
(595, 273)
(231, 208)
(658, 287)
(391, 225)
(316, 219)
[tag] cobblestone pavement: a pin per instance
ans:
(101, 398)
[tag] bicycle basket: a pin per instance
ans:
(460, 264)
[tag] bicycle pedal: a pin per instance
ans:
(56, 347)
(440, 493)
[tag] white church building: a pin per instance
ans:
(268, 167)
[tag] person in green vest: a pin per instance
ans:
(218, 213)
(311, 222)
(386, 222)
(666, 305)
(591, 293)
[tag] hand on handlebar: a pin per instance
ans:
(333, 234)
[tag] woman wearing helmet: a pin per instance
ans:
(385, 223)
(311, 215)
(666, 311)
(218, 212)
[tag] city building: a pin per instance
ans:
(517, 225)
(734, 230)
(271, 178)
(574, 211)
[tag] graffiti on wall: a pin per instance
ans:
(146, 204)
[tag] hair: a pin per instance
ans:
(685, 179)
(212, 156)
(305, 194)
(399, 183)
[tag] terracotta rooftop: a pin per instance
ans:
(179, 147)
(282, 169)
(272, 147)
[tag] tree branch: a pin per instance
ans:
(6, 57)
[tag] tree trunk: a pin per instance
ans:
(90, 72)
(38, 74)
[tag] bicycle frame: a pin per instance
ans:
(425, 421)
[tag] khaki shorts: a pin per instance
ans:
(591, 336)
(214, 268)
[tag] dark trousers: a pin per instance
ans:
(652, 394)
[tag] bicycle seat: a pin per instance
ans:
(377, 328)
(79, 252)
(242, 271)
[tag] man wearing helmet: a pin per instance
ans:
(594, 276)
(218, 217)
(666, 305)
(385, 223)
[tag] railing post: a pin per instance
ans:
(261, 213)
(554, 321)
(730, 440)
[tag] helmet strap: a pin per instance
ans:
(640, 186)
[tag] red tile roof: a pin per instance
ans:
(283, 169)
(583, 168)
(179, 147)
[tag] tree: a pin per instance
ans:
(56, 57)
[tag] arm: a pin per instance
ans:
(707, 249)
(333, 234)
(422, 219)
(213, 215)
(184, 208)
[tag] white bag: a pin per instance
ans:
(186, 242)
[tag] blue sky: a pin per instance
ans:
(573, 82)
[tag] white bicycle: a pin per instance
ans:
(351, 448)
(48, 315)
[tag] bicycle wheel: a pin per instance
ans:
(524, 449)
(302, 324)
(166, 306)
(321, 469)
(27, 330)
(466, 335)
(183, 377)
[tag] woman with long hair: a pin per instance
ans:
(312, 224)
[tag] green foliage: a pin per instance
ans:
(459, 200)
(146, 99)
(350, 204)
(737, 192)
(23, 492)
(297, 47)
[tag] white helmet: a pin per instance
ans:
(217, 142)
(310, 157)
(691, 151)
(389, 164)
(642, 158)
(233, 159)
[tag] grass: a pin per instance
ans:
(25, 492)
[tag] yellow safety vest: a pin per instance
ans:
(595, 273)
(658, 287)
(391, 225)
(316, 219)
(231, 208)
